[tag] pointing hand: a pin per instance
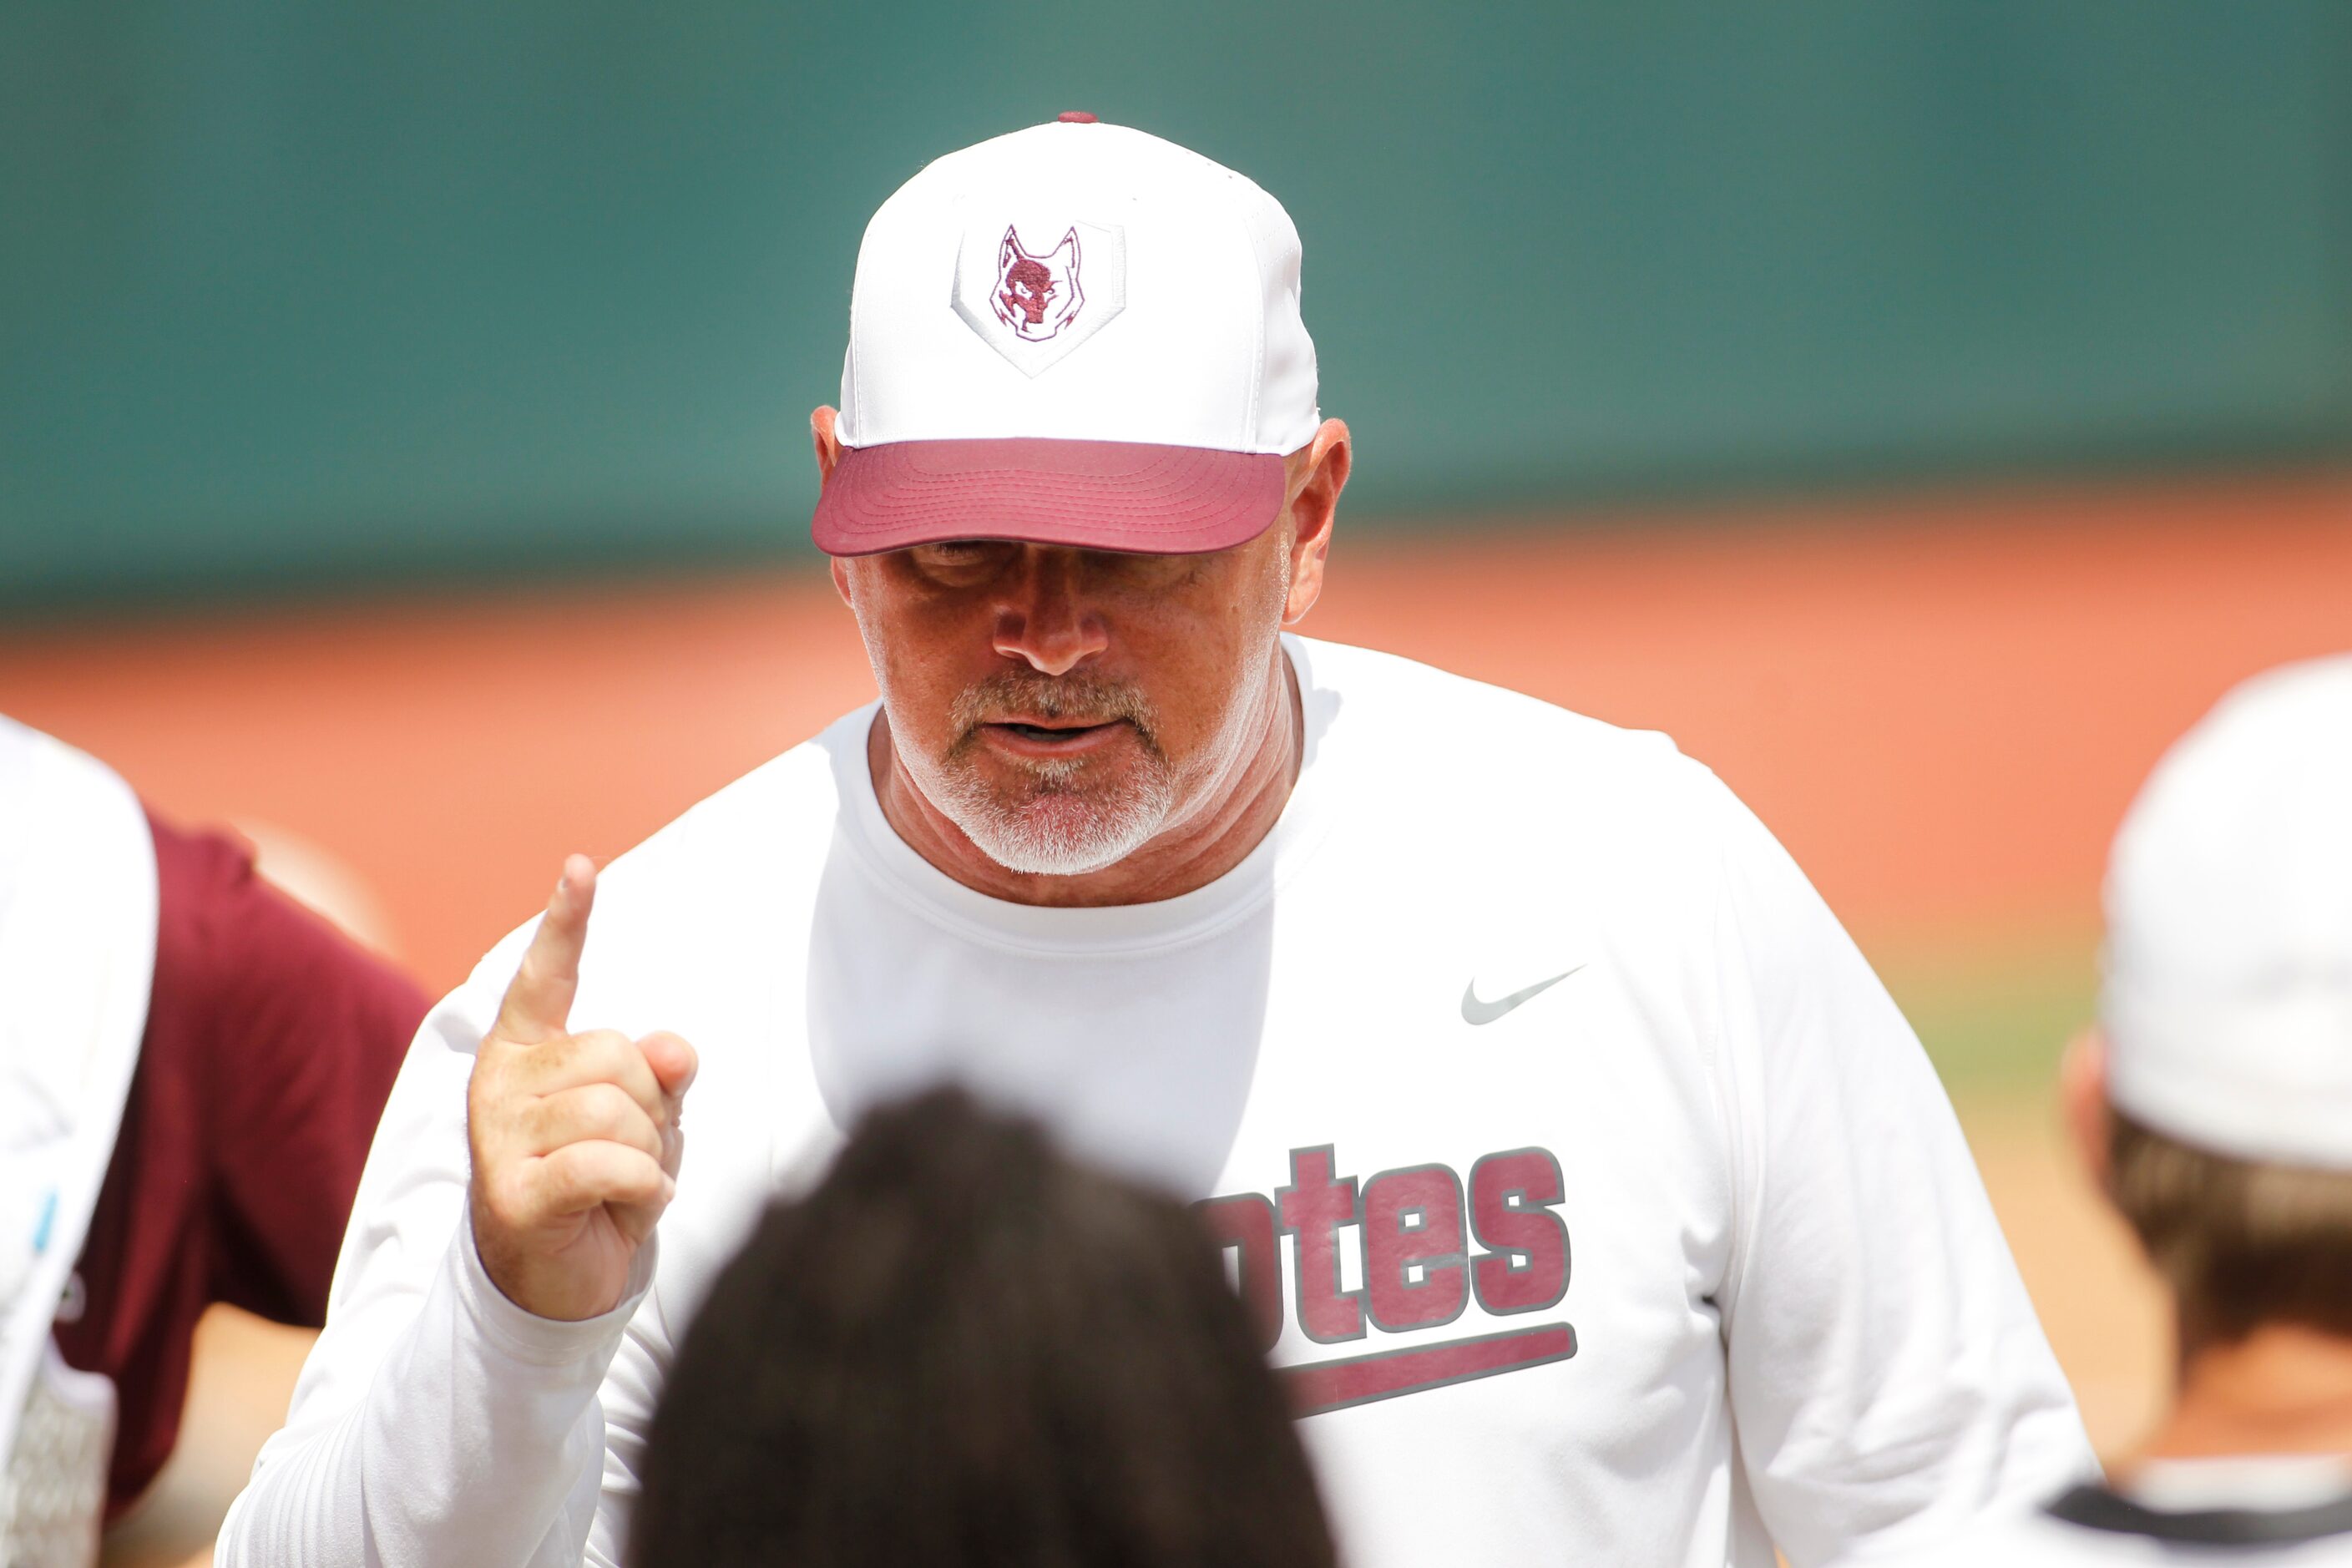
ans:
(574, 1137)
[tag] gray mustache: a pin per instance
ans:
(1047, 697)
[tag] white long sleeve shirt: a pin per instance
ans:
(1588, 1187)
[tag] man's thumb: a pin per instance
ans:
(672, 1059)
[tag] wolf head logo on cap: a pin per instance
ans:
(1075, 334)
(1037, 296)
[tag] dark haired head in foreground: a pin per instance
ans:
(963, 1349)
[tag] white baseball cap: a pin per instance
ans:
(1073, 334)
(2227, 998)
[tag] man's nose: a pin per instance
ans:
(1044, 620)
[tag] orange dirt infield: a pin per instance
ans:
(1942, 704)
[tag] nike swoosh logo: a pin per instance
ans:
(1474, 1012)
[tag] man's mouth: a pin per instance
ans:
(1057, 730)
(1037, 737)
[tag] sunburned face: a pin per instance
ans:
(1064, 707)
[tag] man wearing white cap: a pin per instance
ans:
(2214, 1106)
(1423, 990)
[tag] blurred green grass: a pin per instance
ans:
(1995, 1013)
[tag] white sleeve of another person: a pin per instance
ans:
(1889, 1379)
(435, 1422)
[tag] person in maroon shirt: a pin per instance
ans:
(271, 1042)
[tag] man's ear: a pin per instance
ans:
(827, 443)
(1316, 477)
(2083, 1101)
(828, 455)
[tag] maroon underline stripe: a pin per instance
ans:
(1335, 1384)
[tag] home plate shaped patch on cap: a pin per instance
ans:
(1036, 290)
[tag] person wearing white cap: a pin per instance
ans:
(2213, 1104)
(1593, 1200)
(190, 1064)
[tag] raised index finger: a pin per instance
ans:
(537, 1004)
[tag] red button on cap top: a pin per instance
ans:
(1074, 117)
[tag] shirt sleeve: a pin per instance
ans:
(271, 1042)
(434, 1421)
(631, 1393)
(1889, 1380)
(305, 1033)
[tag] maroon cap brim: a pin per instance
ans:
(1096, 495)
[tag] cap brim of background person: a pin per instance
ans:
(1094, 495)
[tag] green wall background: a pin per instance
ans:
(294, 293)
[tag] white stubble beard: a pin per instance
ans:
(1056, 831)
